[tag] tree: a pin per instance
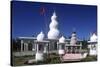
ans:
(13, 45)
(84, 44)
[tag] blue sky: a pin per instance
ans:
(27, 19)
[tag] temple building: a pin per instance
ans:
(28, 44)
(54, 43)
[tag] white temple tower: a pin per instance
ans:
(73, 39)
(53, 32)
(92, 44)
(41, 47)
(39, 55)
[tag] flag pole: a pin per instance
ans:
(45, 23)
(44, 16)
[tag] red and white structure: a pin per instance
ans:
(73, 51)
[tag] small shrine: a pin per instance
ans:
(92, 45)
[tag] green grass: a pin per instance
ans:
(51, 59)
(90, 58)
(17, 61)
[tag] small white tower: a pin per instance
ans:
(92, 45)
(61, 45)
(53, 32)
(93, 38)
(39, 55)
(73, 39)
(62, 40)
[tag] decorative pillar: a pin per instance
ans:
(80, 47)
(22, 45)
(39, 56)
(71, 49)
(73, 39)
(61, 50)
(37, 48)
(26, 46)
(45, 48)
(33, 46)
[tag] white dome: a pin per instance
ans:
(62, 40)
(93, 38)
(40, 36)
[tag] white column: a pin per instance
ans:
(37, 48)
(80, 47)
(33, 47)
(26, 46)
(21, 45)
(59, 46)
(45, 48)
(39, 55)
(61, 50)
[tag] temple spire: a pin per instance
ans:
(73, 39)
(53, 32)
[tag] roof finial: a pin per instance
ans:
(54, 13)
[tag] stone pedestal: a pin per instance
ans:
(61, 45)
(40, 49)
(39, 56)
(92, 46)
(93, 52)
(45, 48)
(61, 51)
